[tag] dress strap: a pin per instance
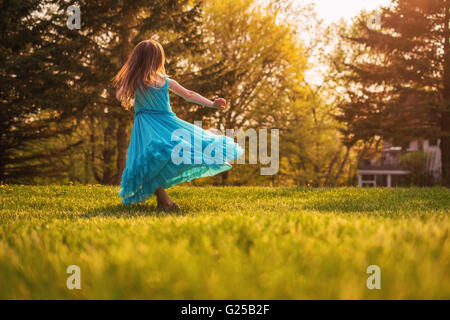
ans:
(167, 80)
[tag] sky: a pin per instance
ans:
(333, 10)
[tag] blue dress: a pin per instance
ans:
(165, 150)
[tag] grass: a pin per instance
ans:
(228, 243)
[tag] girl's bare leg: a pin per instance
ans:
(163, 197)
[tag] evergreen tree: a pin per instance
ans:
(398, 75)
(39, 69)
(56, 80)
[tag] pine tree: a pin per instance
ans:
(399, 75)
(39, 68)
(115, 27)
(56, 80)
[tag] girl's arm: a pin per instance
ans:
(194, 97)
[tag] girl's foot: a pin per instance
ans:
(173, 207)
(164, 202)
(166, 207)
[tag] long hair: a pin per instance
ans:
(145, 62)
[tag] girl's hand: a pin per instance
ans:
(219, 103)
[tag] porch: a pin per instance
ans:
(381, 177)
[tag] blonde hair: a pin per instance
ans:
(145, 62)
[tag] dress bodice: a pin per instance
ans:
(153, 99)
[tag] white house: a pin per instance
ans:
(386, 171)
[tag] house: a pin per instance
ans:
(388, 171)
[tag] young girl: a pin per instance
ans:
(151, 167)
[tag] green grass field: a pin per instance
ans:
(228, 243)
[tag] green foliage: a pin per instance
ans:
(415, 162)
(40, 62)
(67, 120)
(59, 115)
(310, 142)
(228, 243)
(397, 77)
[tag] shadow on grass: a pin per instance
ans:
(380, 201)
(123, 211)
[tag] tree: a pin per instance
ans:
(58, 81)
(257, 74)
(116, 27)
(399, 75)
(314, 148)
(40, 64)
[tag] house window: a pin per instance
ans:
(433, 142)
(420, 145)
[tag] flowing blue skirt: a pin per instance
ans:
(165, 151)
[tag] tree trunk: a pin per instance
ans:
(224, 178)
(330, 169)
(108, 153)
(2, 173)
(347, 153)
(92, 141)
(445, 115)
(123, 115)
(86, 167)
(122, 148)
(445, 159)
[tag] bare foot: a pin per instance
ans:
(163, 200)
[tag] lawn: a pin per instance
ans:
(228, 243)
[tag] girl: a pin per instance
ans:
(154, 151)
